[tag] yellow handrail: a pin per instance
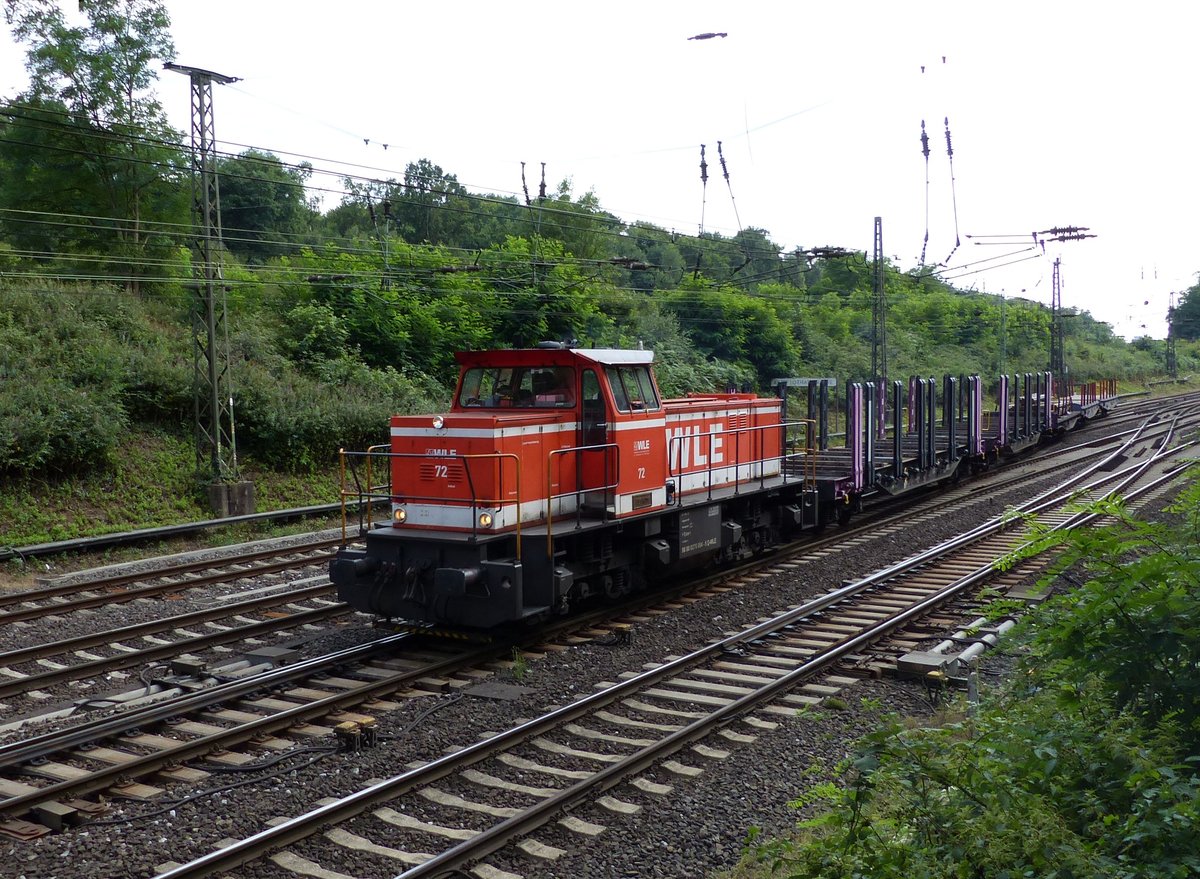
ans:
(342, 489)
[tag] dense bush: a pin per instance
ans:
(157, 388)
(679, 366)
(63, 354)
(46, 424)
(1085, 767)
(296, 420)
(79, 365)
(1041, 783)
(1135, 625)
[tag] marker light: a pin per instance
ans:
(438, 422)
(485, 520)
(399, 516)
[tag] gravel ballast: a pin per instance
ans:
(701, 826)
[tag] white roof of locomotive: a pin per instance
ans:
(615, 356)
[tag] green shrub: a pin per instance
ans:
(158, 389)
(1135, 624)
(48, 425)
(78, 364)
(1086, 767)
(296, 422)
(313, 333)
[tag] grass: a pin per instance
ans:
(152, 483)
(520, 666)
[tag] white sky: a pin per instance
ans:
(1062, 113)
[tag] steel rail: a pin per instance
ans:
(40, 746)
(52, 591)
(142, 535)
(294, 829)
(108, 776)
(34, 613)
(497, 836)
(97, 639)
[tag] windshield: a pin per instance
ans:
(632, 388)
(520, 387)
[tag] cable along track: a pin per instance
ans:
(608, 738)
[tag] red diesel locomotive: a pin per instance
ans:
(559, 474)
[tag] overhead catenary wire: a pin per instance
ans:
(296, 270)
(949, 276)
(549, 212)
(418, 283)
(405, 275)
(725, 171)
(271, 160)
(342, 191)
(942, 272)
(297, 239)
(703, 205)
(676, 297)
(346, 195)
(747, 258)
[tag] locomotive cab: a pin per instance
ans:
(603, 411)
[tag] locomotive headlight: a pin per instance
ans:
(485, 520)
(438, 422)
(399, 516)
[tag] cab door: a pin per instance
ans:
(596, 464)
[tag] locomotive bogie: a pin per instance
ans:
(439, 579)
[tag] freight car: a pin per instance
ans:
(560, 474)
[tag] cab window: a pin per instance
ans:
(632, 388)
(521, 387)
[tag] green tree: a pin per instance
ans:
(44, 184)
(736, 328)
(431, 206)
(586, 230)
(101, 74)
(1185, 319)
(541, 293)
(263, 204)
(760, 262)
(664, 264)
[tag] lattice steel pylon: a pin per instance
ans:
(216, 446)
(1057, 359)
(879, 365)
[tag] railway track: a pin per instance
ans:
(179, 694)
(47, 663)
(302, 606)
(68, 594)
(584, 749)
(251, 743)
